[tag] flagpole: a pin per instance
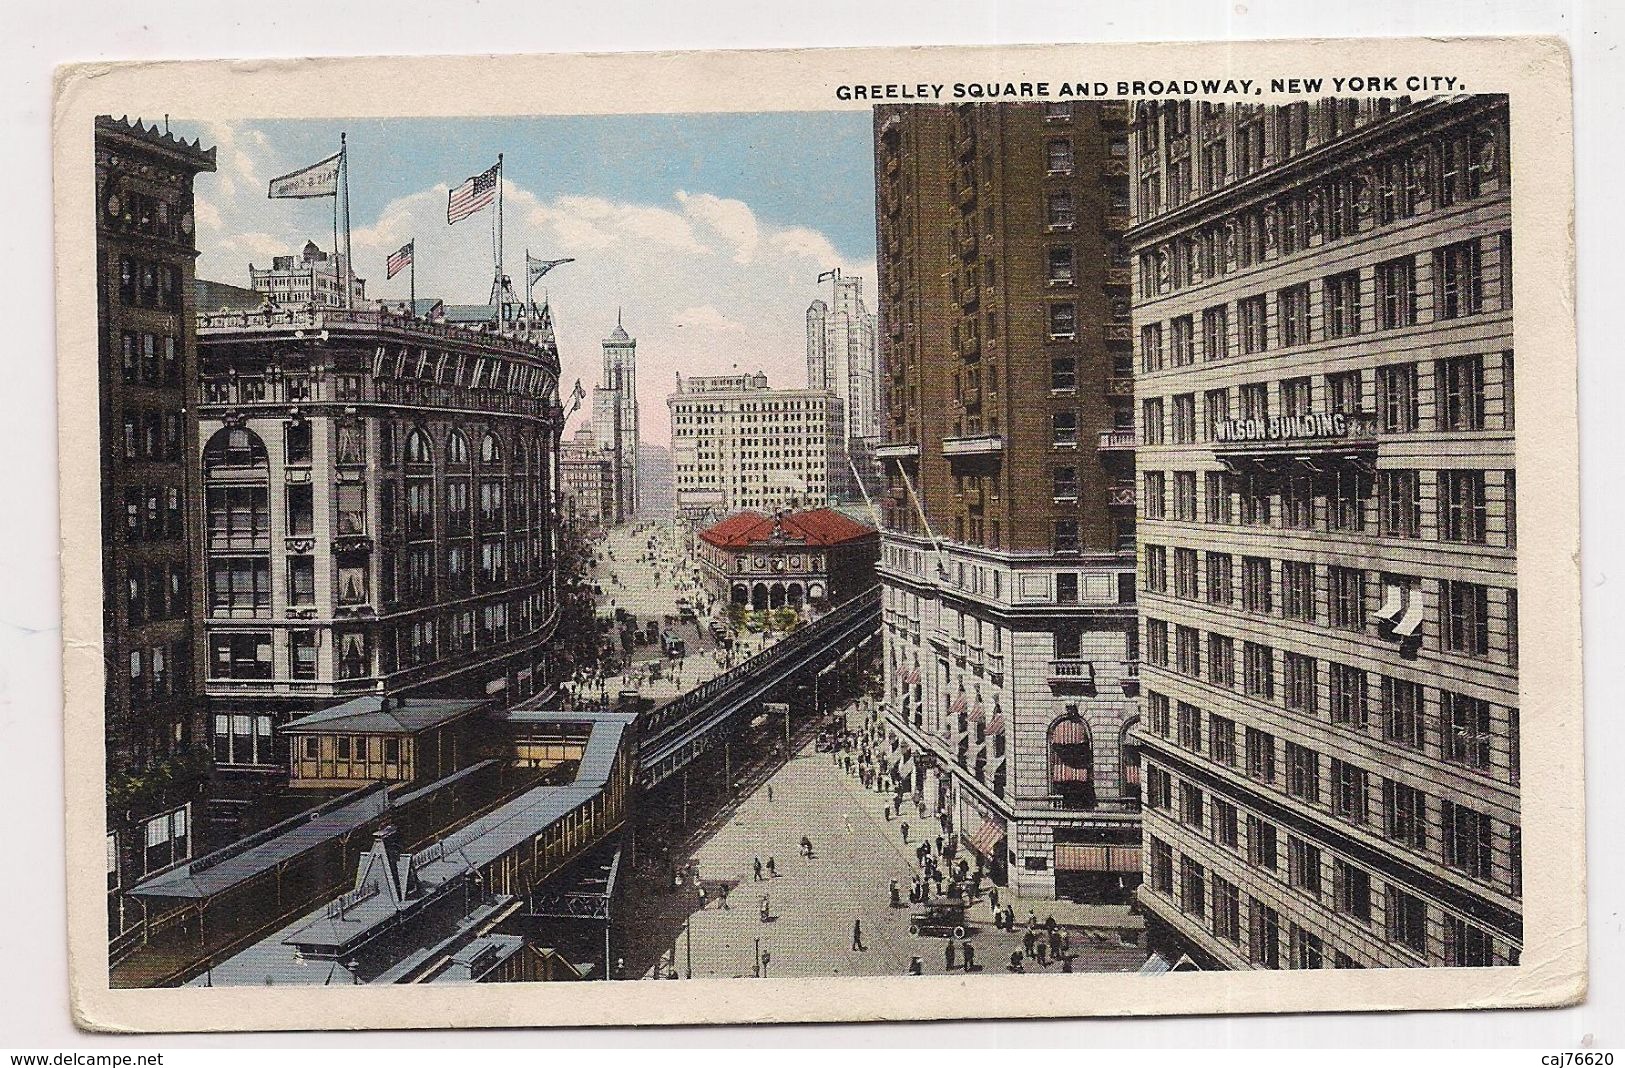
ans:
(344, 169)
(414, 265)
(501, 180)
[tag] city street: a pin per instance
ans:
(812, 903)
(647, 584)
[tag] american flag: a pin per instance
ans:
(475, 193)
(399, 259)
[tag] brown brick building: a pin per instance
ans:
(1007, 556)
(157, 759)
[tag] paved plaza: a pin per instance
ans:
(812, 903)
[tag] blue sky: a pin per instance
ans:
(709, 230)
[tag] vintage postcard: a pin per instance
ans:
(849, 535)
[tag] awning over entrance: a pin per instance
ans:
(1075, 856)
(1070, 732)
(987, 837)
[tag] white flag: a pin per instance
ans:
(317, 180)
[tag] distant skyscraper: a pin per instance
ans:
(615, 417)
(841, 355)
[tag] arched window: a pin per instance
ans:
(1071, 760)
(418, 450)
(235, 447)
(490, 450)
(1129, 759)
(457, 449)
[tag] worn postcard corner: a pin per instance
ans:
(947, 533)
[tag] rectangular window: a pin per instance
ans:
(1346, 505)
(1459, 384)
(1396, 293)
(1260, 755)
(1303, 773)
(1226, 910)
(1466, 946)
(1190, 805)
(1351, 889)
(1467, 837)
(1258, 670)
(1221, 660)
(1349, 792)
(1464, 729)
(1407, 919)
(1183, 429)
(1187, 651)
(1298, 590)
(1458, 281)
(1220, 568)
(1303, 865)
(1261, 849)
(1263, 934)
(301, 580)
(1192, 887)
(1348, 691)
(1254, 324)
(1181, 342)
(1063, 320)
(1466, 618)
(1162, 866)
(1063, 373)
(1064, 429)
(302, 654)
(1397, 398)
(1151, 428)
(1156, 495)
(1217, 489)
(1256, 585)
(1216, 332)
(1404, 817)
(1185, 573)
(1185, 496)
(1298, 675)
(1399, 503)
(1221, 742)
(1347, 597)
(1342, 304)
(1292, 310)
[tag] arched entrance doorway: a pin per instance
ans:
(758, 596)
(740, 595)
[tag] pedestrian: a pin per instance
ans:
(756, 864)
(1027, 940)
(722, 895)
(1066, 944)
(1055, 944)
(772, 868)
(970, 957)
(770, 793)
(857, 936)
(765, 911)
(702, 895)
(905, 832)
(948, 955)
(1015, 961)
(1043, 953)
(939, 845)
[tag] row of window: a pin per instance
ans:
(1468, 506)
(1347, 306)
(159, 672)
(153, 513)
(1214, 901)
(148, 359)
(145, 284)
(1466, 391)
(1464, 731)
(1461, 837)
(156, 592)
(1351, 598)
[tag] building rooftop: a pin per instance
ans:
(190, 152)
(385, 715)
(819, 527)
(237, 863)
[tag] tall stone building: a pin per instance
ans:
(586, 481)
(737, 443)
(615, 418)
(379, 494)
(1327, 532)
(1007, 555)
(157, 757)
(842, 357)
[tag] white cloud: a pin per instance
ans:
(704, 285)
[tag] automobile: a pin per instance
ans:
(671, 644)
(939, 919)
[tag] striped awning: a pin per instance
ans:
(1070, 732)
(1061, 771)
(996, 724)
(957, 706)
(987, 837)
(1076, 856)
(978, 712)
